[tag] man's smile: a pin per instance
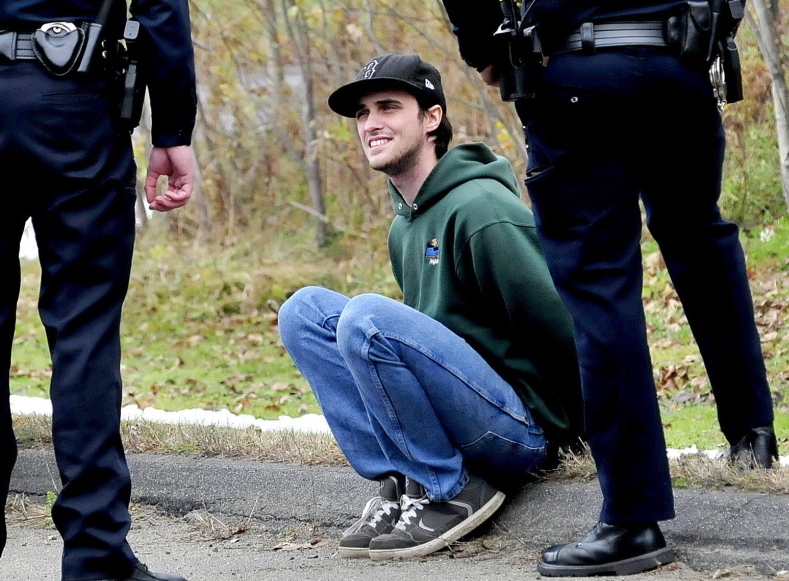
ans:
(377, 141)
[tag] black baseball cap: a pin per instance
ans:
(391, 71)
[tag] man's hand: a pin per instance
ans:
(177, 163)
(490, 76)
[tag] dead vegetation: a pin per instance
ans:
(691, 470)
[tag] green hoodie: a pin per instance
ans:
(466, 254)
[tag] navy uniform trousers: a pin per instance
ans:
(609, 129)
(63, 163)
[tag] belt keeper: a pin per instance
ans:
(587, 37)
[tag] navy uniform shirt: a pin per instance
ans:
(475, 21)
(167, 57)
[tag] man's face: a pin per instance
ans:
(392, 130)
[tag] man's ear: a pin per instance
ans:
(433, 117)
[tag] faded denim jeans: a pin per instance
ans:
(402, 393)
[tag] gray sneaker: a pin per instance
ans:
(426, 526)
(379, 517)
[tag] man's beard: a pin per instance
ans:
(401, 164)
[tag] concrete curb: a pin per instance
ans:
(713, 529)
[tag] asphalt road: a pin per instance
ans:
(212, 519)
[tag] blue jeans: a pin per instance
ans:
(402, 393)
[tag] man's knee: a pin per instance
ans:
(368, 310)
(355, 317)
(299, 312)
(362, 317)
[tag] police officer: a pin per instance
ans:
(624, 112)
(67, 162)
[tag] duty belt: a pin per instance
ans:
(591, 36)
(16, 46)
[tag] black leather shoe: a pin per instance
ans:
(608, 550)
(757, 448)
(141, 573)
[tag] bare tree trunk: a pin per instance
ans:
(211, 157)
(299, 37)
(274, 60)
(772, 51)
(311, 157)
(205, 223)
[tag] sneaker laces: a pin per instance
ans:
(385, 507)
(410, 507)
(373, 513)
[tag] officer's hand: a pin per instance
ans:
(177, 163)
(490, 76)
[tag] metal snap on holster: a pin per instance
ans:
(58, 46)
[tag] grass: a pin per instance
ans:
(251, 444)
(686, 400)
(694, 470)
(200, 331)
(200, 325)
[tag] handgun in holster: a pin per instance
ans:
(732, 73)
(133, 82)
(523, 63)
(704, 31)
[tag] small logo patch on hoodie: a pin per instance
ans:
(432, 253)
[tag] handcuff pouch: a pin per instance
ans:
(58, 47)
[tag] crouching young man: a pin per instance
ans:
(454, 397)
